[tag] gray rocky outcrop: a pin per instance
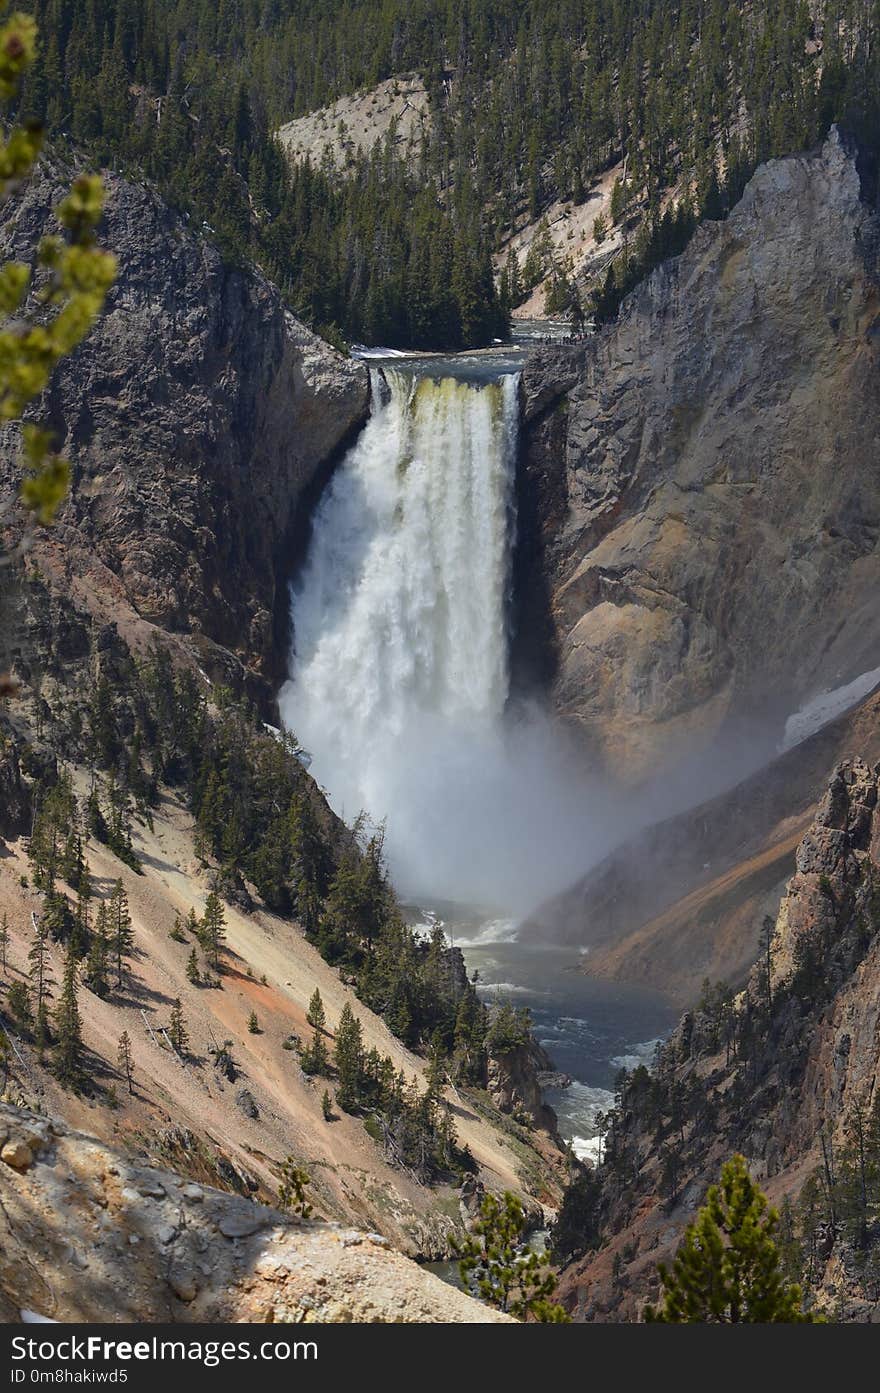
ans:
(704, 479)
(515, 1081)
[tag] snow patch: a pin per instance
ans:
(825, 707)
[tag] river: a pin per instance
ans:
(591, 1029)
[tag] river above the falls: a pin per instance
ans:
(590, 1028)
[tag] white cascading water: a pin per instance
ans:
(399, 678)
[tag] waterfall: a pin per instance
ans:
(400, 612)
(399, 675)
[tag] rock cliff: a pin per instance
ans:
(704, 474)
(196, 417)
(514, 1084)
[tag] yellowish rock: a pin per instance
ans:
(17, 1154)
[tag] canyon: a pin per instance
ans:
(201, 421)
(697, 516)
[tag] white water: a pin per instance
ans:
(399, 691)
(399, 682)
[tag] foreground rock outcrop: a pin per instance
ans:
(89, 1235)
(196, 416)
(704, 478)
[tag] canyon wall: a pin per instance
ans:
(783, 1087)
(703, 478)
(195, 416)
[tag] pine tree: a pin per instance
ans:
(41, 981)
(19, 1003)
(349, 1059)
(315, 1059)
(120, 824)
(326, 1106)
(125, 1060)
(4, 941)
(177, 1032)
(56, 916)
(505, 1273)
(253, 1024)
(308, 861)
(72, 864)
(120, 929)
(727, 1268)
(98, 958)
(69, 1052)
(437, 1071)
(192, 969)
(316, 1015)
(96, 824)
(82, 924)
(213, 929)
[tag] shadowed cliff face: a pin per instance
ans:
(811, 1060)
(706, 479)
(685, 898)
(194, 416)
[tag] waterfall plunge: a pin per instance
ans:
(400, 669)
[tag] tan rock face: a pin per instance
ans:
(17, 1154)
(355, 124)
(92, 1236)
(842, 843)
(716, 558)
